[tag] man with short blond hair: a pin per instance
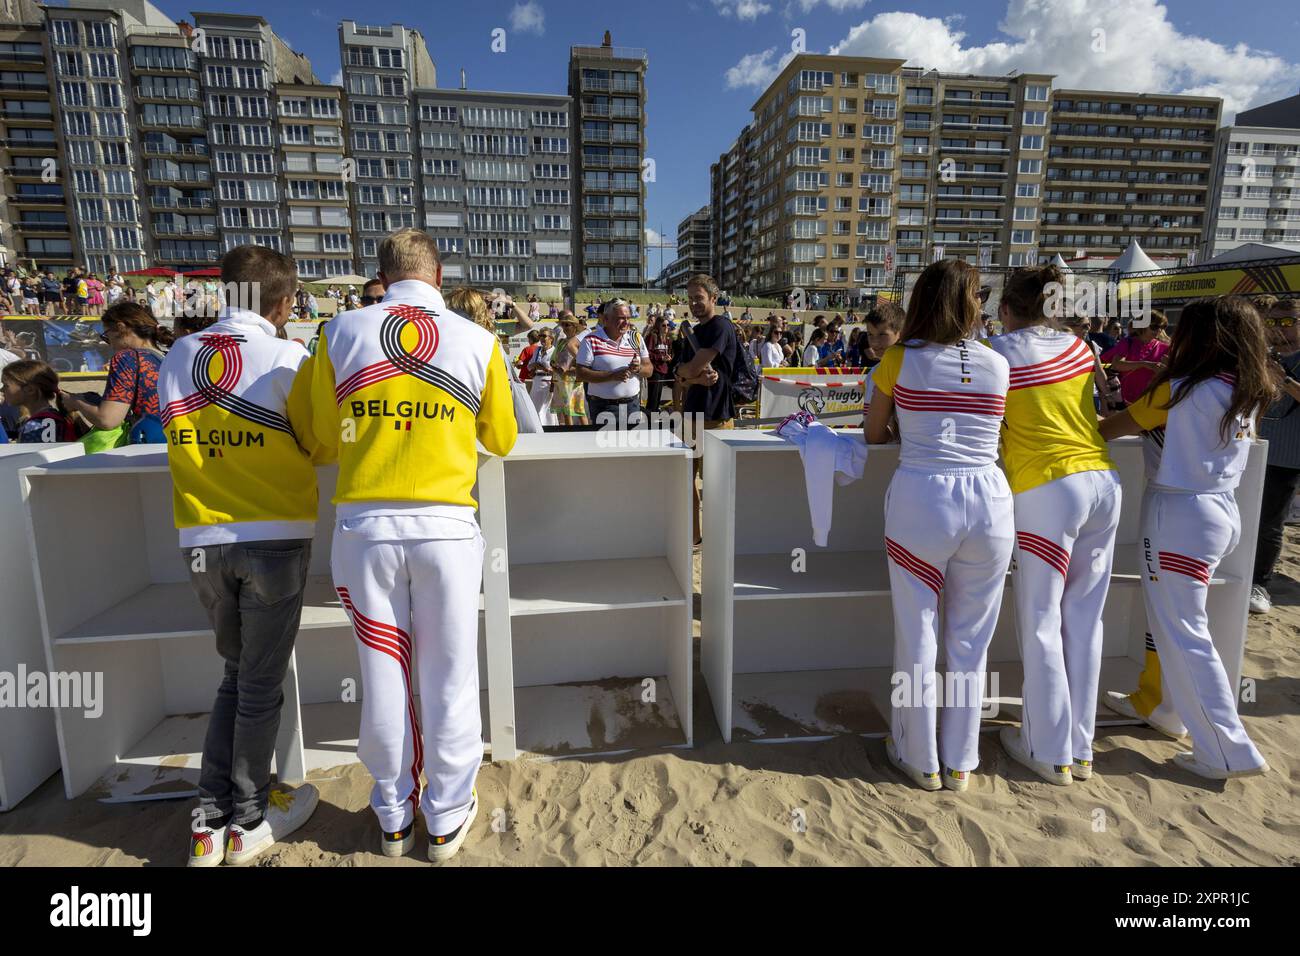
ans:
(400, 393)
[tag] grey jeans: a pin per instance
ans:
(252, 591)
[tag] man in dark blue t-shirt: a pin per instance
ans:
(710, 361)
(708, 367)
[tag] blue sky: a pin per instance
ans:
(710, 58)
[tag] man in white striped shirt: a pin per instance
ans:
(613, 361)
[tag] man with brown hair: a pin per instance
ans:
(244, 497)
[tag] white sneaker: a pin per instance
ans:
(1260, 601)
(286, 811)
(956, 780)
(1081, 769)
(207, 846)
(1014, 745)
(926, 781)
(443, 848)
(1119, 703)
(399, 843)
(1187, 761)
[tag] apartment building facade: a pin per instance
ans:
(382, 66)
(607, 86)
(1126, 166)
(1256, 186)
(853, 167)
(34, 217)
(497, 185)
(317, 208)
(694, 249)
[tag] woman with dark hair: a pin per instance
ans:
(948, 520)
(132, 389)
(1067, 505)
(1198, 418)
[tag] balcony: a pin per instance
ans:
(189, 96)
(624, 137)
(988, 127)
(201, 202)
(52, 227)
(609, 53)
(16, 57)
(159, 66)
(175, 149)
(171, 229)
(596, 84)
(44, 144)
(198, 176)
(979, 103)
(11, 87)
(968, 220)
(978, 174)
(27, 116)
(26, 172)
(596, 135)
(194, 122)
(21, 200)
(977, 150)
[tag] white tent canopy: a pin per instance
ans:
(1133, 260)
(1060, 263)
(1255, 250)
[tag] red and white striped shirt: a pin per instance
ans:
(600, 353)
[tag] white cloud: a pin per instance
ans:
(337, 78)
(528, 18)
(1087, 44)
(839, 6)
(756, 70)
(652, 238)
(742, 9)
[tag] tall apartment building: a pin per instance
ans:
(497, 184)
(91, 80)
(317, 209)
(694, 249)
(607, 84)
(1125, 166)
(732, 223)
(1256, 186)
(242, 62)
(34, 221)
(382, 66)
(847, 157)
(180, 208)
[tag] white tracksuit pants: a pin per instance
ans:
(411, 588)
(1152, 699)
(1185, 537)
(1065, 546)
(949, 539)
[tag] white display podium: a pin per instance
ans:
(29, 749)
(797, 641)
(588, 588)
(114, 597)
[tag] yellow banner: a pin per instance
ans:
(1254, 280)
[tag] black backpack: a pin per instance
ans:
(744, 379)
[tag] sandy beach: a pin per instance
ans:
(831, 803)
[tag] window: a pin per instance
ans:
(1031, 166)
(1036, 93)
(1025, 213)
(1027, 190)
(1034, 118)
(1033, 143)
(64, 32)
(1022, 237)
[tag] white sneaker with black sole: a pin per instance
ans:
(286, 811)
(443, 848)
(1260, 600)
